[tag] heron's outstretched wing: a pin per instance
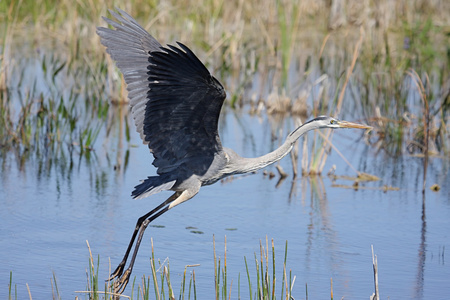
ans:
(182, 111)
(129, 45)
(174, 100)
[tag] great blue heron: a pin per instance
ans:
(175, 103)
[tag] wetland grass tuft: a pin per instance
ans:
(264, 273)
(265, 285)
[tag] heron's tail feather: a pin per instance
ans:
(152, 185)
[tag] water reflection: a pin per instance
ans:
(421, 261)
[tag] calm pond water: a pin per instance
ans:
(46, 218)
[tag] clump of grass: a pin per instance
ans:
(163, 282)
(289, 15)
(159, 281)
(265, 287)
(389, 95)
(51, 102)
(93, 287)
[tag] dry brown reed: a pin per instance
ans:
(426, 121)
(376, 295)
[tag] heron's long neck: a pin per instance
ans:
(253, 164)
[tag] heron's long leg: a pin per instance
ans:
(174, 200)
(121, 284)
(119, 270)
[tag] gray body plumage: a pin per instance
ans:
(175, 103)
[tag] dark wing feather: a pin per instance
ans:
(129, 45)
(182, 112)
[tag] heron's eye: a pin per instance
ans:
(332, 122)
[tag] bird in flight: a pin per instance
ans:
(175, 103)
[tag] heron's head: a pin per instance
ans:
(330, 122)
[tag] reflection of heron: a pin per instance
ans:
(175, 103)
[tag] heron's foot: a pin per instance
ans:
(117, 272)
(121, 283)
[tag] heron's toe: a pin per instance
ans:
(117, 272)
(122, 282)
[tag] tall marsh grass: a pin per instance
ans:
(159, 286)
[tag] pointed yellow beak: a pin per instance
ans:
(345, 124)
